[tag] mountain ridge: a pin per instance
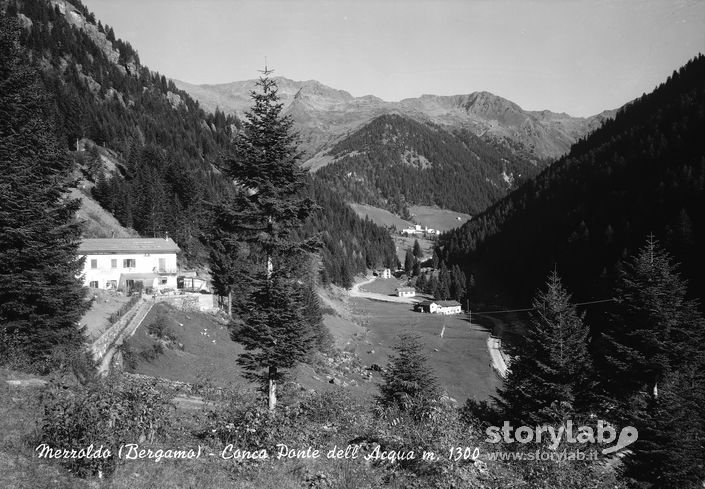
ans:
(324, 114)
(641, 174)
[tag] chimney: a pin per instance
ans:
(166, 235)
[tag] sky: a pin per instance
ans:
(573, 56)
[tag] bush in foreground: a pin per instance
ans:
(103, 414)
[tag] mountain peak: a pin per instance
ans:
(324, 114)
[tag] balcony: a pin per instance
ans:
(166, 270)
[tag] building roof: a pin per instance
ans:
(98, 246)
(448, 303)
(406, 289)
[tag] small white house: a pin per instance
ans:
(129, 263)
(385, 273)
(406, 292)
(439, 307)
(448, 307)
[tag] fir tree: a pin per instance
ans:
(444, 283)
(226, 261)
(654, 363)
(669, 453)
(409, 262)
(458, 283)
(421, 283)
(656, 329)
(408, 380)
(550, 374)
(435, 260)
(263, 216)
(418, 252)
(41, 293)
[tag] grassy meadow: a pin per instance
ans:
(433, 217)
(459, 359)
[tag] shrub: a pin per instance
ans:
(309, 419)
(129, 356)
(161, 330)
(107, 413)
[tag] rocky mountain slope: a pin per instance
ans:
(323, 115)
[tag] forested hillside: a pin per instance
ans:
(103, 93)
(394, 161)
(168, 148)
(350, 245)
(641, 173)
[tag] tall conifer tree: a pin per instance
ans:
(409, 383)
(41, 293)
(656, 329)
(263, 216)
(550, 374)
(653, 370)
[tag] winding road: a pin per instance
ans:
(494, 346)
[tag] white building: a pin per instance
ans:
(406, 292)
(129, 263)
(385, 273)
(439, 307)
(448, 307)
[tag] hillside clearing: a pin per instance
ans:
(460, 359)
(436, 218)
(381, 217)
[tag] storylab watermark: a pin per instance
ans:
(602, 434)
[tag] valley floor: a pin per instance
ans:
(459, 358)
(365, 324)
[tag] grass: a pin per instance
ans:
(106, 303)
(19, 424)
(433, 217)
(208, 352)
(381, 217)
(404, 243)
(386, 286)
(20, 468)
(461, 362)
(98, 222)
(209, 356)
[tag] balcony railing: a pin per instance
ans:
(167, 270)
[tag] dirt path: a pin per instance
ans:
(105, 347)
(494, 346)
(500, 360)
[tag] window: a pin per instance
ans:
(113, 263)
(162, 280)
(93, 284)
(94, 264)
(128, 263)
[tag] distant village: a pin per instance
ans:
(419, 230)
